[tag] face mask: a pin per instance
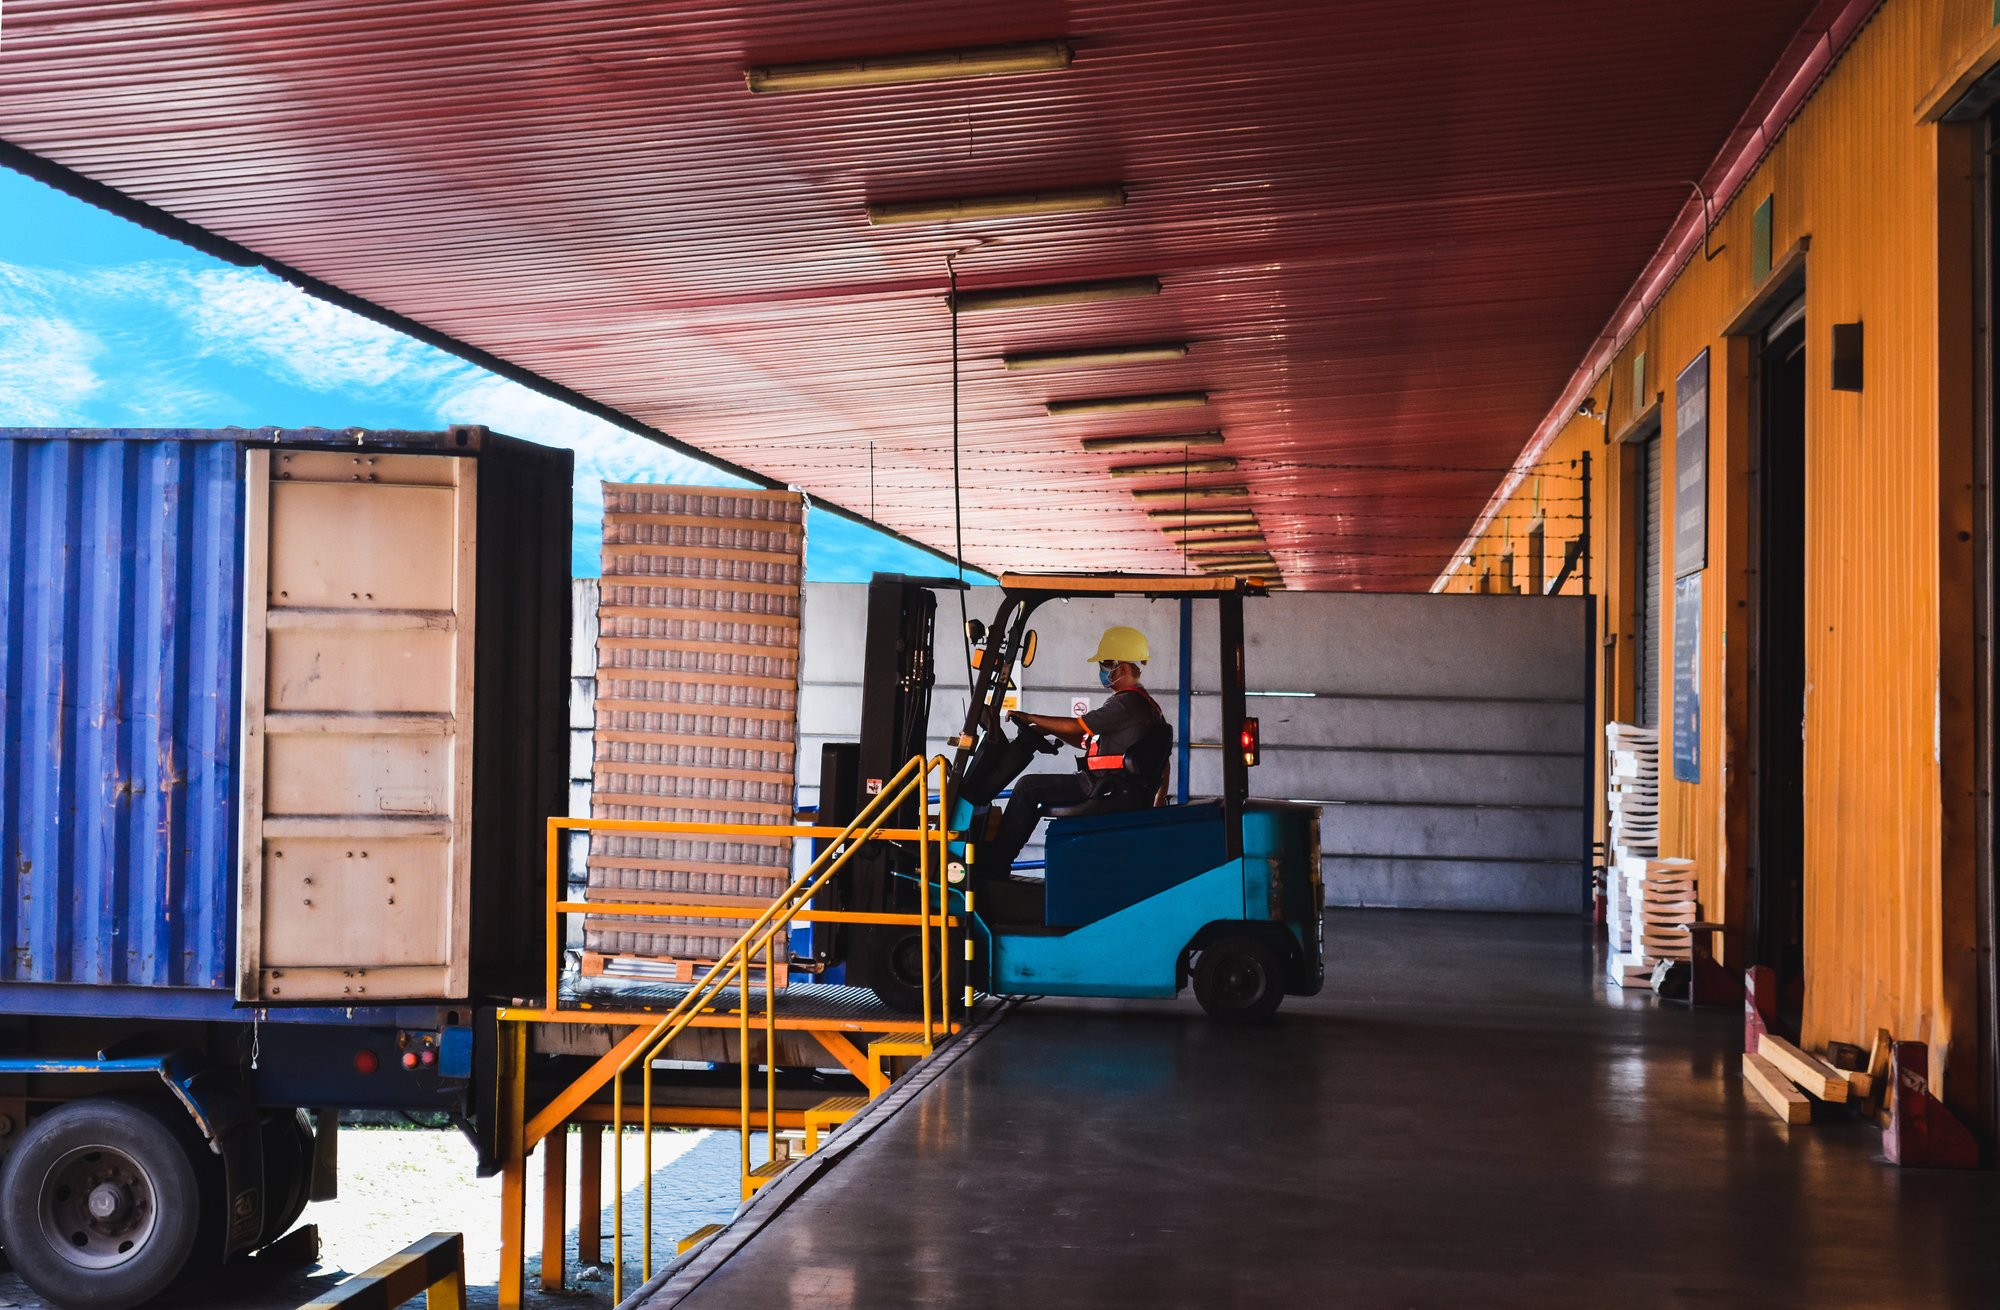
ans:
(1105, 675)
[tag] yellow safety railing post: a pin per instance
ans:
(770, 1048)
(618, 1186)
(734, 966)
(924, 899)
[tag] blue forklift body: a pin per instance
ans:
(1129, 895)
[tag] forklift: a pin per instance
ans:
(1136, 899)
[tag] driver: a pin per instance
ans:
(1122, 723)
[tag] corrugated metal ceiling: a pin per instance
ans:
(1387, 230)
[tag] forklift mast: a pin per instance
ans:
(898, 672)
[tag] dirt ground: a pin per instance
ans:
(399, 1184)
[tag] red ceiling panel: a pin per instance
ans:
(1387, 230)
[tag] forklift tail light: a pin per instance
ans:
(1252, 742)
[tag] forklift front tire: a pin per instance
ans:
(1238, 978)
(898, 976)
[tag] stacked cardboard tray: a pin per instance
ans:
(1648, 898)
(697, 715)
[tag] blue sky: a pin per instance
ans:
(105, 324)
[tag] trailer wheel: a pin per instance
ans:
(288, 1156)
(1238, 979)
(101, 1203)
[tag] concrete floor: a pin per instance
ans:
(1467, 1116)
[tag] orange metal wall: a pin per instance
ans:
(1888, 863)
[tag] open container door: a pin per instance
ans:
(357, 726)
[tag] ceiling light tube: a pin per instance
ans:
(895, 70)
(1096, 356)
(1056, 293)
(976, 207)
(1233, 517)
(1166, 441)
(1242, 550)
(1128, 404)
(1226, 544)
(1231, 492)
(1235, 562)
(1175, 468)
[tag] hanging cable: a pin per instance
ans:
(957, 503)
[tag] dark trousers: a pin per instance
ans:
(1034, 796)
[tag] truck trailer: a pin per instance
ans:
(284, 713)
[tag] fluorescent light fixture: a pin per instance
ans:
(895, 70)
(1056, 293)
(1233, 517)
(1164, 441)
(1174, 468)
(1128, 404)
(977, 207)
(1096, 357)
(1234, 539)
(1263, 563)
(1231, 492)
(1211, 552)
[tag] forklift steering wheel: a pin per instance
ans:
(1044, 743)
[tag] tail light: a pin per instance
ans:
(1251, 742)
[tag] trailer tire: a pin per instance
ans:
(101, 1204)
(288, 1157)
(1238, 978)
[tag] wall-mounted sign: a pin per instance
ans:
(1691, 467)
(1687, 678)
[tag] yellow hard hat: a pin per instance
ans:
(1125, 645)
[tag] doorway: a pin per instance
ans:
(1780, 652)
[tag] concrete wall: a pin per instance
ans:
(1446, 735)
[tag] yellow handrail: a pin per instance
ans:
(734, 963)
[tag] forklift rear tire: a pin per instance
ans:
(899, 973)
(101, 1204)
(1239, 979)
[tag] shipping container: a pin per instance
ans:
(283, 714)
(275, 703)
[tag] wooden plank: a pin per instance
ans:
(687, 707)
(1813, 1075)
(720, 586)
(1775, 1090)
(734, 554)
(698, 615)
(692, 804)
(693, 739)
(772, 650)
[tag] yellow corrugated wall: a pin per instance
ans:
(1859, 175)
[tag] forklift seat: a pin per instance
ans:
(1138, 784)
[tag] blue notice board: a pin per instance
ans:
(1687, 678)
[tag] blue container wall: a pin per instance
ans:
(120, 600)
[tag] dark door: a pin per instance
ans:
(1986, 602)
(1781, 649)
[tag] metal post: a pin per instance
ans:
(1593, 750)
(555, 1182)
(1186, 726)
(513, 1072)
(590, 1195)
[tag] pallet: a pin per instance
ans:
(667, 969)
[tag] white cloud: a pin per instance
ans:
(604, 452)
(46, 371)
(250, 318)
